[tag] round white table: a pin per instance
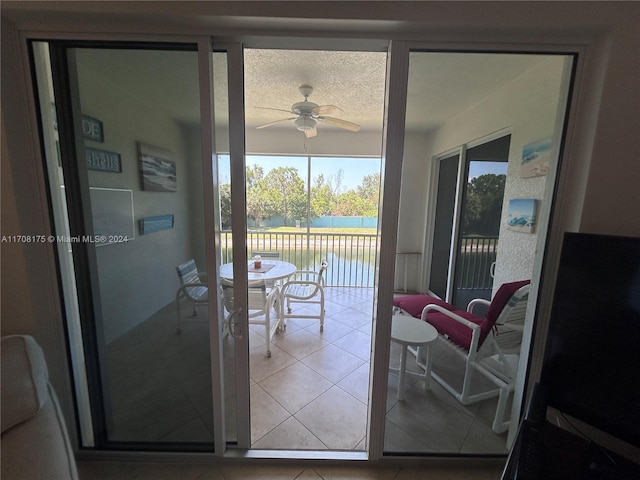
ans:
(279, 270)
(405, 331)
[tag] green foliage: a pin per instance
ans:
(225, 205)
(287, 187)
(282, 193)
(483, 205)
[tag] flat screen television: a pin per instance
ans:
(591, 369)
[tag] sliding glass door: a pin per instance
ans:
(135, 201)
(467, 112)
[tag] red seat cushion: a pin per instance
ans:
(413, 304)
(455, 331)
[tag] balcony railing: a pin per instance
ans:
(352, 256)
(474, 269)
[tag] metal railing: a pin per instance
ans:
(352, 256)
(474, 263)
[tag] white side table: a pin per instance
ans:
(405, 331)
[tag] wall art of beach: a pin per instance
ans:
(521, 216)
(158, 173)
(535, 158)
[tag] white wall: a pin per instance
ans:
(527, 106)
(138, 278)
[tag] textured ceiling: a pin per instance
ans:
(441, 85)
(352, 81)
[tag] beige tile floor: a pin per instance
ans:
(101, 470)
(312, 394)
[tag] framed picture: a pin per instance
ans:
(158, 169)
(521, 216)
(112, 212)
(535, 158)
(155, 224)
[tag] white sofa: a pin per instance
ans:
(34, 442)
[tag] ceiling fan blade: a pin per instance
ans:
(311, 132)
(274, 109)
(276, 122)
(326, 109)
(354, 127)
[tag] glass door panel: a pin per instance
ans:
(129, 125)
(443, 225)
(479, 220)
(441, 403)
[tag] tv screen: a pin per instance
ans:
(591, 369)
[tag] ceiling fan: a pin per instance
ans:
(308, 114)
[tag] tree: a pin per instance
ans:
(288, 188)
(483, 204)
(322, 198)
(225, 205)
(261, 202)
(254, 174)
(369, 190)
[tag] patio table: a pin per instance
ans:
(407, 330)
(271, 270)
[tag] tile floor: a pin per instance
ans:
(312, 394)
(102, 470)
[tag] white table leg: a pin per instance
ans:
(403, 367)
(427, 370)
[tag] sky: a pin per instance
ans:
(481, 168)
(354, 169)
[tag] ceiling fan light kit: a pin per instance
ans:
(309, 114)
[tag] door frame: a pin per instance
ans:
(572, 178)
(434, 168)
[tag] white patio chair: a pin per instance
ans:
(260, 304)
(306, 287)
(194, 288)
(485, 343)
(274, 254)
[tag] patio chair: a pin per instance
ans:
(487, 344)
(260, 303)
(193, 288)
(306, 287)
(275, 255)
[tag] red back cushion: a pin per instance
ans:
(413, 304)
(500, 299)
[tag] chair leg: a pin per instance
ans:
(267, 326)
(466, 383)
(499, 425)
